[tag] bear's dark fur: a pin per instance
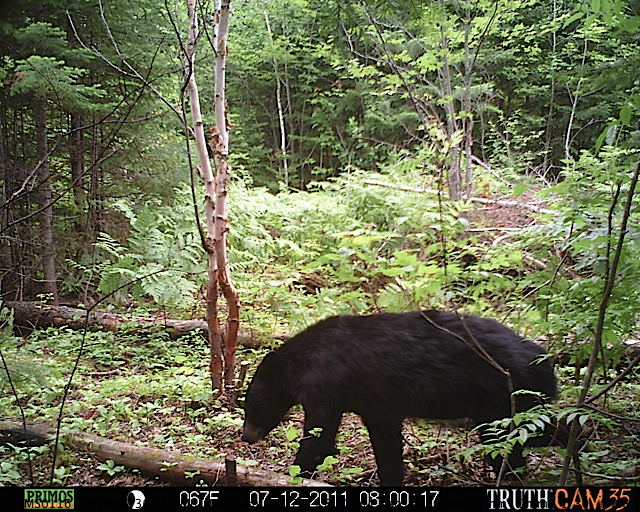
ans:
(388, 367)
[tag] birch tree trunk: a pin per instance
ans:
(223, 169)
(575, 98)
(216, 189)
(283, 139)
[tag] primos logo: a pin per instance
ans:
(49, 498)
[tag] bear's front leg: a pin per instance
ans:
(318, 440)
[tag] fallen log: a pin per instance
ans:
(34, 315)
(481, 200)
(169, 466)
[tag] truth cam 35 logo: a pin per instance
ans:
(574, 499)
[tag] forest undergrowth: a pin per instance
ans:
(360, 244)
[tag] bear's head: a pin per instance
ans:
(267, 400)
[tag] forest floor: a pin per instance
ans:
(158, 397)
(433, 456)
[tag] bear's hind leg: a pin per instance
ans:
(515, 460)
(386, 438)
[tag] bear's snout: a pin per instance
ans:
(252, 434)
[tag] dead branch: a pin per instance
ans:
(169, 466)
(34, 315)
(481, 200)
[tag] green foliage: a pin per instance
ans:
(505, 434)
(25, 371)
(42, 38)
(163, 258)
(332, 123)
(110, 468)
(587, 232)
(8, 472)
(44, 71)
(370, 121)
(47, 77)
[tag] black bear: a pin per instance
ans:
(386, 367)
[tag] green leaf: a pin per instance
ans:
(392, 272)
(294, 470)
(292, 433)
(328, 463)
(573, 18)
(404, 259)
(625, 115)
(362, 241)
(523, 435)
(520, 188)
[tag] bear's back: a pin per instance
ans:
(413, 363)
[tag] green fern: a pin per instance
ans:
(24, 372)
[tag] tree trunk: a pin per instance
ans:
(216, 190)
(574, 103)
(95, 201)
(46, 215)
(466, 107)
(215, 337)
(7, 272)
(283, 138)
(547, 141)
(454, 178)
(223, 170)
(76, 159)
